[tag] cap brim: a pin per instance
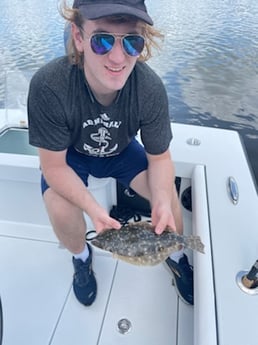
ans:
(97, 11)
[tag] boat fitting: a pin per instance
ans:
(193, 141)
(233, 190)
(124, 326)
(248, 280)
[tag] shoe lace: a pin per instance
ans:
(83, 273)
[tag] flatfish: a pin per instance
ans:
(138, 244)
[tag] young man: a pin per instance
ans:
(85, 110)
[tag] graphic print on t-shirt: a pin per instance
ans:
(100, 136)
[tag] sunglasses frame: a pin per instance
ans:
(115, 36)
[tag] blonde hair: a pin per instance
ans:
(72, 15)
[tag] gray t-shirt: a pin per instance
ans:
(63, 112)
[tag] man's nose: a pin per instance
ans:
(117, 54)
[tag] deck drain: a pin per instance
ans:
(124, 326)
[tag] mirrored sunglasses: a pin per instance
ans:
(102, 43)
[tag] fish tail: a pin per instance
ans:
(194, 243)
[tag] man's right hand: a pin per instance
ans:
(101, 219)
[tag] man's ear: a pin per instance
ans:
(77, 37)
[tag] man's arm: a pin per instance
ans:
(163, 196)
(64, 181)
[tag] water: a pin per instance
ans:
(208, 61)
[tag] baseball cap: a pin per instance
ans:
(95, 9)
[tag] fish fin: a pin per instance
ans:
(194, 243)
(139, 260)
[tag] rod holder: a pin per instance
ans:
(248, 280)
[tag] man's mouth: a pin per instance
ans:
(115, 69)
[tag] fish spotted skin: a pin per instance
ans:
(137, 243)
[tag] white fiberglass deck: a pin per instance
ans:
(36, 274)
(39, 306)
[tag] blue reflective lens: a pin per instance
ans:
(133, 44)
(102, 43)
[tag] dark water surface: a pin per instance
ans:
(208, 61)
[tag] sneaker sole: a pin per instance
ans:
(175, 285)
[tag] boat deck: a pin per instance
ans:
(37, 296)
(39, 306)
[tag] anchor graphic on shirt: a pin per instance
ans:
(102, 137)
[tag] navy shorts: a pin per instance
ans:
(123, 167)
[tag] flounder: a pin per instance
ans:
(138, 244)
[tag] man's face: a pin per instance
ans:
(106, 74)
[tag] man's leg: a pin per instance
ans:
(140, 185)
(178, 262)
(67, 221)
(70, 228)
